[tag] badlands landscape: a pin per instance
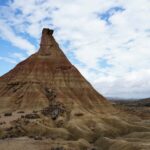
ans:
(46, 104)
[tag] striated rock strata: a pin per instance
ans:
(30, 83)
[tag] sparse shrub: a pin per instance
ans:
(78, 114)
(8, 114)
(32, 116)
(20, 112)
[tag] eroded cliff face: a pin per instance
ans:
(27, 85)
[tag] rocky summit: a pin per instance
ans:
(31, 83)
(46, 104)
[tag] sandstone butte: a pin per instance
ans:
(46, 104)
(27, 85)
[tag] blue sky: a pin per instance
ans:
(110, 12)
(108, 41)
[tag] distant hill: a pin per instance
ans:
(132, 102)
(137, 107)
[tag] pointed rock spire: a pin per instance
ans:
(47, 41)
(25, 86)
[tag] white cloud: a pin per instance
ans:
(19, 56)
(111, 53)
(7, 33)
(7, 59)
(135, 84)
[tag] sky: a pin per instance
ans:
(108, 41)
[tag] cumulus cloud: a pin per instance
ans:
(134, 84)
(7, 33)
(108, 41)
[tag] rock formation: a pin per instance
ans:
(30, 84)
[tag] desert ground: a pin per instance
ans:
(82, 131)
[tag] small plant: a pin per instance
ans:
(8, 114)
(20, 112)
